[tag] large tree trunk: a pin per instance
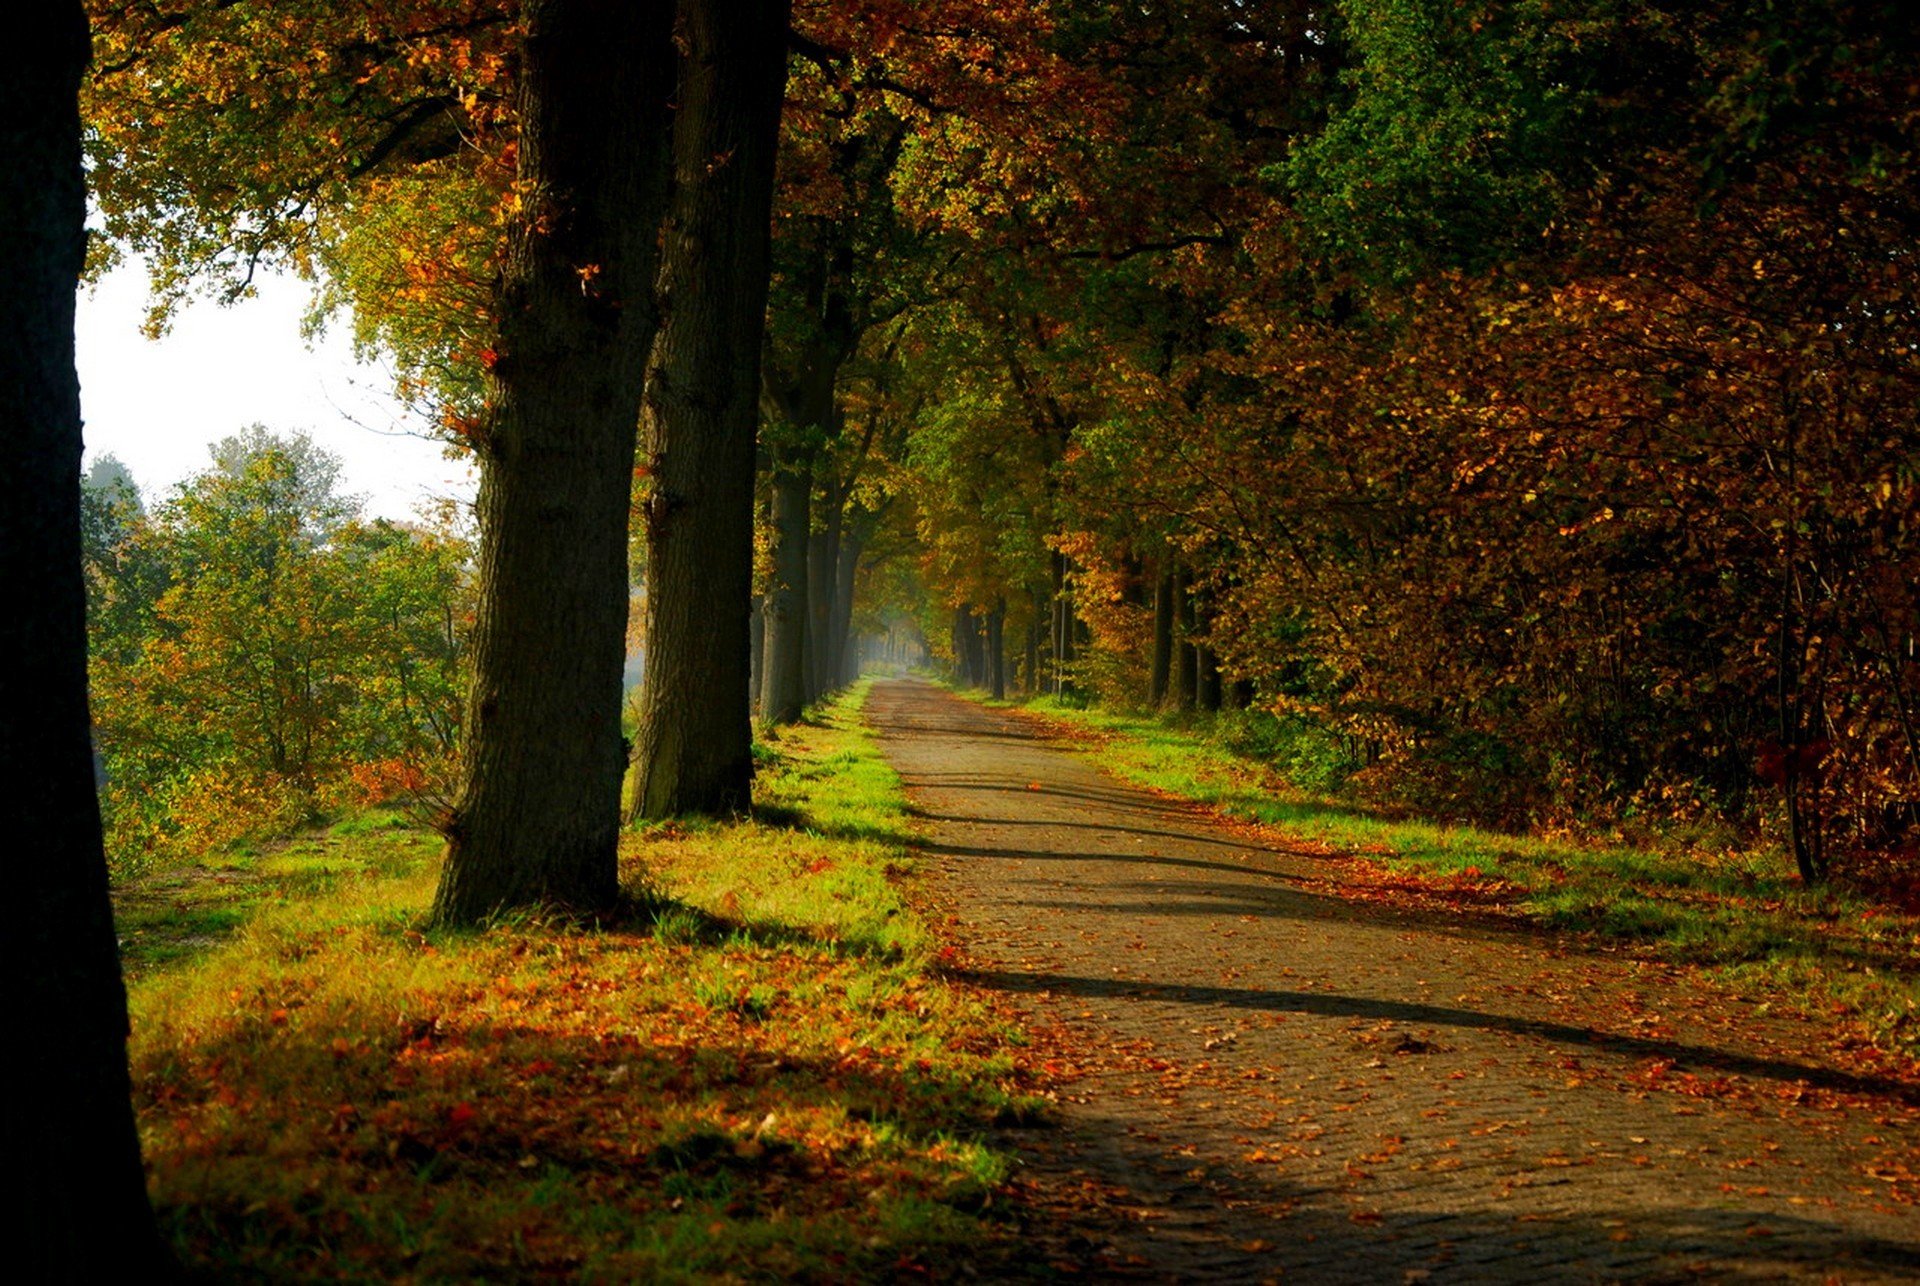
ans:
(785, 695)
(538, 814)
(1160, 663)
(694, 750)
(66, 1127)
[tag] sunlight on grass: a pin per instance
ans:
(765, 1082)
(1740, 912)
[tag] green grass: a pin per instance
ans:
(1738, 912)
(767, 1081)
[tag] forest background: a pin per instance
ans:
(1508, 407)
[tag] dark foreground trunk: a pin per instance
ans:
(538, 814)
(694, 749)
(66, 1127)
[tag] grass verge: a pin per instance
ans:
(1738, 914)
(766, 1082)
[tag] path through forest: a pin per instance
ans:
(1266, 1080)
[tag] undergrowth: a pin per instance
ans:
(764, 1081)
(1736, 911)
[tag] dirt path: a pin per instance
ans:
(1261, 1081)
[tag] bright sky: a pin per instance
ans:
(158, 405)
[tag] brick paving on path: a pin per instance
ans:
(1262, 1080)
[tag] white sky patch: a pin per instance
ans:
(158, 405)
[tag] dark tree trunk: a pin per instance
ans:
(1186, 661)
(996, 644)
(1240, 694)
(823, 584)
(757, 644)
(785, 695)
(538, 814)
(1160, 663)
(966, 647)
(846, 658)
(80, 1213)
(1208, 694)
(694, 750)
(1033, 647)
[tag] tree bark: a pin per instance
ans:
(66, 1126)
(823, 585)
(1186, 660)
(1207, 695)
(538, 813)
(756, 661)
(694, 749)
(996, 643)
(846, 657)
(1063, 628)
(785, 695)
(1033, 647)
(1160, 663)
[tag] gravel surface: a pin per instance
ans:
(1263, 1078)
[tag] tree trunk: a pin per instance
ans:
(1186, 660)
(538, 813)
(823, 584)
(1033, 647)
(756, 659)
(846, 658)
(694, 749)
(67, 1126)
(1208, 694)
(1160, 665)
(1063, 628)
(997, 649)
(786, 691)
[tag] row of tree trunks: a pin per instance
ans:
(538, 812)
(694, 749)
(80, 1213)
(1183, 670)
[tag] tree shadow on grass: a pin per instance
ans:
(458, 1147)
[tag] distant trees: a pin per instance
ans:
(258, 647)
(1520, 397)
(80, 1212)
